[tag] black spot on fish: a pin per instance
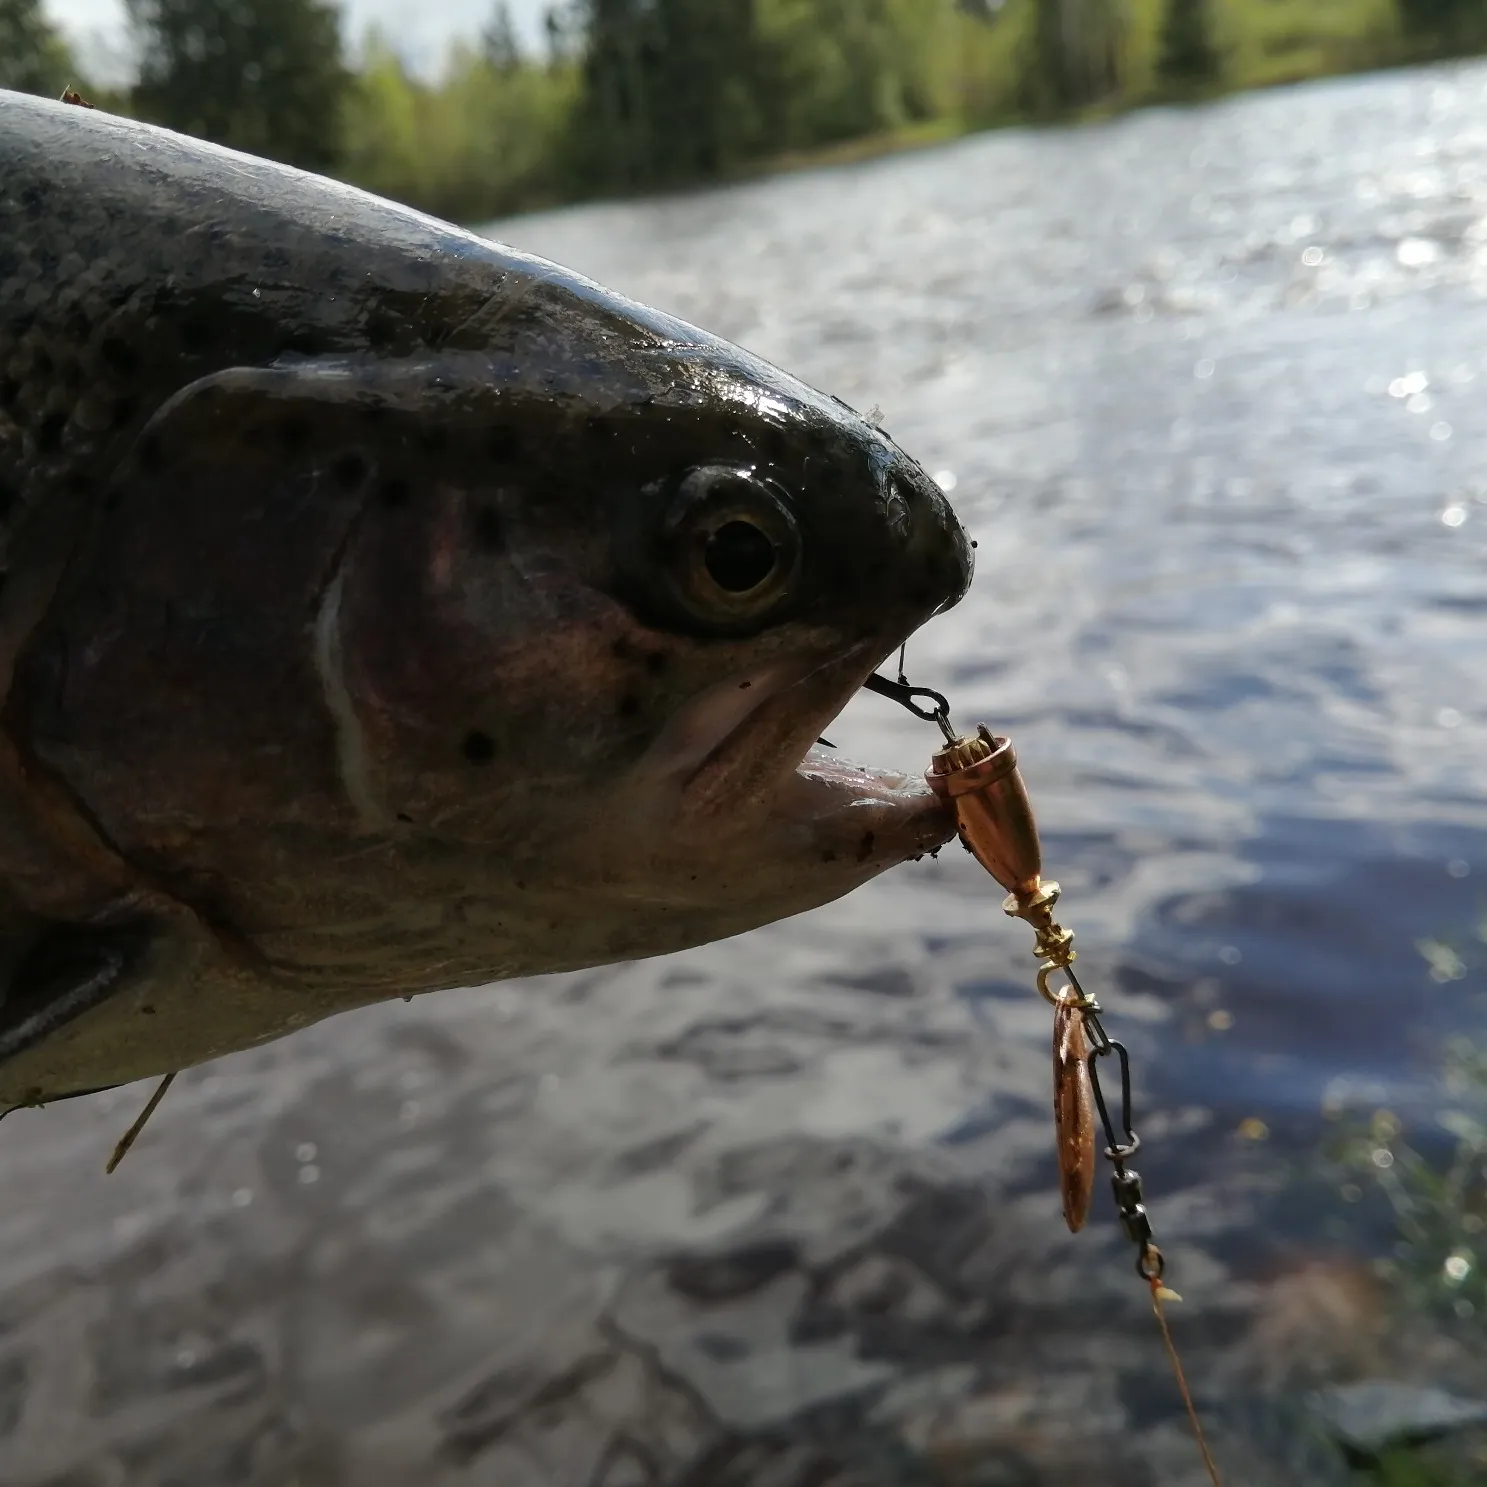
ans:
(622, 649)
(865, 846)
(42, 364)
(49, 432)
(33, 200)
(119, 356)
(656, 662)
(479, 748)
(147, 1011)
(151, 455)
(629, 707)
(828, 857)
(294, 433)
(502, 444)
(405, 818)
(395, 492)
(196, 336)
(382, 332)
(489, 531)
(771, 445)
(300, 342)
(349, 470)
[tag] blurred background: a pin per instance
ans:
(471, 108)
(1200, 360)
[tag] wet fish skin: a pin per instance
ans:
(355, 634)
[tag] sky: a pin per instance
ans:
(420, 29)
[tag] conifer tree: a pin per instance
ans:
(33, 58)
(265, 76)
(1187, 56)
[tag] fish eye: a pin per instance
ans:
(733, 547)
(739, 556)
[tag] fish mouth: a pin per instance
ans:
(748, 748)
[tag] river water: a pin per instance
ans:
(1208, 386)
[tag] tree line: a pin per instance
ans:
(639, 95)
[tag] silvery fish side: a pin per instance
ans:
(387, 610)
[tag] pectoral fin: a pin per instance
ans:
(70, 971)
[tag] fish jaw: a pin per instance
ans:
(737, 817)
(768, 774)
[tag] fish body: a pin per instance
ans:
(387, 610)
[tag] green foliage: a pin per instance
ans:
(1451, 25)
(264, 76)
(1188, 56)
(839, 69)
(1439, 1265)
(498, 43)
(485, 140)
(670, 91)
(1408, 1467)
(1278, 41)
(1439, 1207)
(33, 58)
(634, 95)
(683, 90)
(1075, 54)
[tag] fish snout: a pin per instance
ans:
(936, 552)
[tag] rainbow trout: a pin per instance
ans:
(386, 610)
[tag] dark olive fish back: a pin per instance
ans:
(126, 274)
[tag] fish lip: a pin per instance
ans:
(769, 763)
(789, 703)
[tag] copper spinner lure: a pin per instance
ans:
(976, 775)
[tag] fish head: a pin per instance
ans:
(607, 647)
(499, 655)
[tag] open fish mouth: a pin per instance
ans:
(749, 747)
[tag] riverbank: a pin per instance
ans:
(1258, 44)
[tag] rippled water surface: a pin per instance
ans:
(1208, 387)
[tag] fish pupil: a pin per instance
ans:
(739, 557)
